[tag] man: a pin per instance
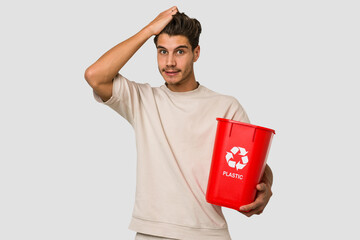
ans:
(175, 127)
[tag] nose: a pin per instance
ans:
(170, 61)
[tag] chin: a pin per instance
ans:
(172, 81)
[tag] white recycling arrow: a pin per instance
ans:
(230, 157)
(232, 164)
(245, 160)
(240, 166)
(234, 150)
(243, 152)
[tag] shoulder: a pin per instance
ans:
(235, 109)
(222, 97)
(120, 80)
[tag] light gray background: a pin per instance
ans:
(67, 167)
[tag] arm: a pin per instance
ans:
(100, 74)
(263, 195)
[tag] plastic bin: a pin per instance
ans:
(238, 162)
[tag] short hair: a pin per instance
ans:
(181, 24)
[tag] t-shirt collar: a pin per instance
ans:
(182, 93)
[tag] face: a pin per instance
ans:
(175, 59)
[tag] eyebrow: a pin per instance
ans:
(181, 46)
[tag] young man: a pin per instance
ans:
(175, 126)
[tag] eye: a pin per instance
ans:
(180, 52)
(162, 51)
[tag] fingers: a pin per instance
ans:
(261, 187)
(158, 24)
(262, 198)
(252, 212)
(252, 206)
(173, 10)
(252, 209)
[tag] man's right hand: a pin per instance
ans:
(160, 22)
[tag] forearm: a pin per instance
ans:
(267, 176)
(109, 64)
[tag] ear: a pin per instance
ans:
(196, 53)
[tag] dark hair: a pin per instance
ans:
(181, 24)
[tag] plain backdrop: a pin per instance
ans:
(67, 167)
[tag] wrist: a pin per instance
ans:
(147, 30)
(267, 176)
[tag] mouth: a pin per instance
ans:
(171, 72)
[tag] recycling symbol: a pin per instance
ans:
(237, 151)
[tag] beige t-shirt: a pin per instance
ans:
(175, 133)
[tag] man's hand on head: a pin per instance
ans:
(160, 22)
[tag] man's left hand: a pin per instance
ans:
(263, 196)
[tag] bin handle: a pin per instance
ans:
(254, 135)
(231, 126)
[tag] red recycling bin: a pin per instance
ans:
(238, 162)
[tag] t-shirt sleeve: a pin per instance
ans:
(240, 114)
(124, 99)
